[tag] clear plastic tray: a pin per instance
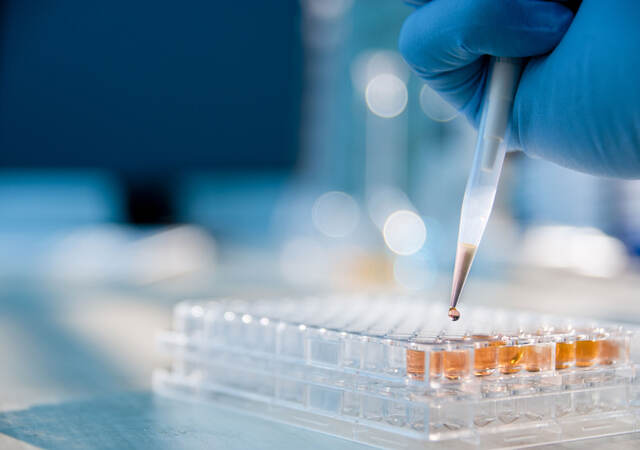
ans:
(397, 373)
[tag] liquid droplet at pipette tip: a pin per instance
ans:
(454, 314)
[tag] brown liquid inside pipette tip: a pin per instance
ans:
(464, 258)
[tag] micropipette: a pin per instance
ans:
(500, 88)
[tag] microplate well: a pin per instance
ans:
(395, 372)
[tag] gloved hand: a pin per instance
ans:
(578, 100)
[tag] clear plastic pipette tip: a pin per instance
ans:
(485, 173)
(464, 257)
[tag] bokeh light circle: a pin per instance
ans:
(386, 95)
(404, 232)
(335, 214)
(435, 107)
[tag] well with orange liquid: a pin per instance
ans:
(538, 357)
(485, 360)
(455, 364)
(565, 355)
(610, 351)
(587, 352)
(416, 364)
(510, 358)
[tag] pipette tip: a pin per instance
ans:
(464, 258)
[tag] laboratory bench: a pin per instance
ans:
(78, 359)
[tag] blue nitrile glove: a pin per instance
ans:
(578, 106)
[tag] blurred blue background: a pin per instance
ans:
(149, 88)
(152, 151)
(283, 127)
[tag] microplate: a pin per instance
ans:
(396, 373)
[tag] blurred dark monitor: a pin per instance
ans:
(149, 89)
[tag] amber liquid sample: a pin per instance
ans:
(587, 352)
(435, 364)
(455, 364)
(609, 351)
(486, 359)
(565, 355)
(510, 358)
(415, 364)
(538, 358)
(464, 257)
